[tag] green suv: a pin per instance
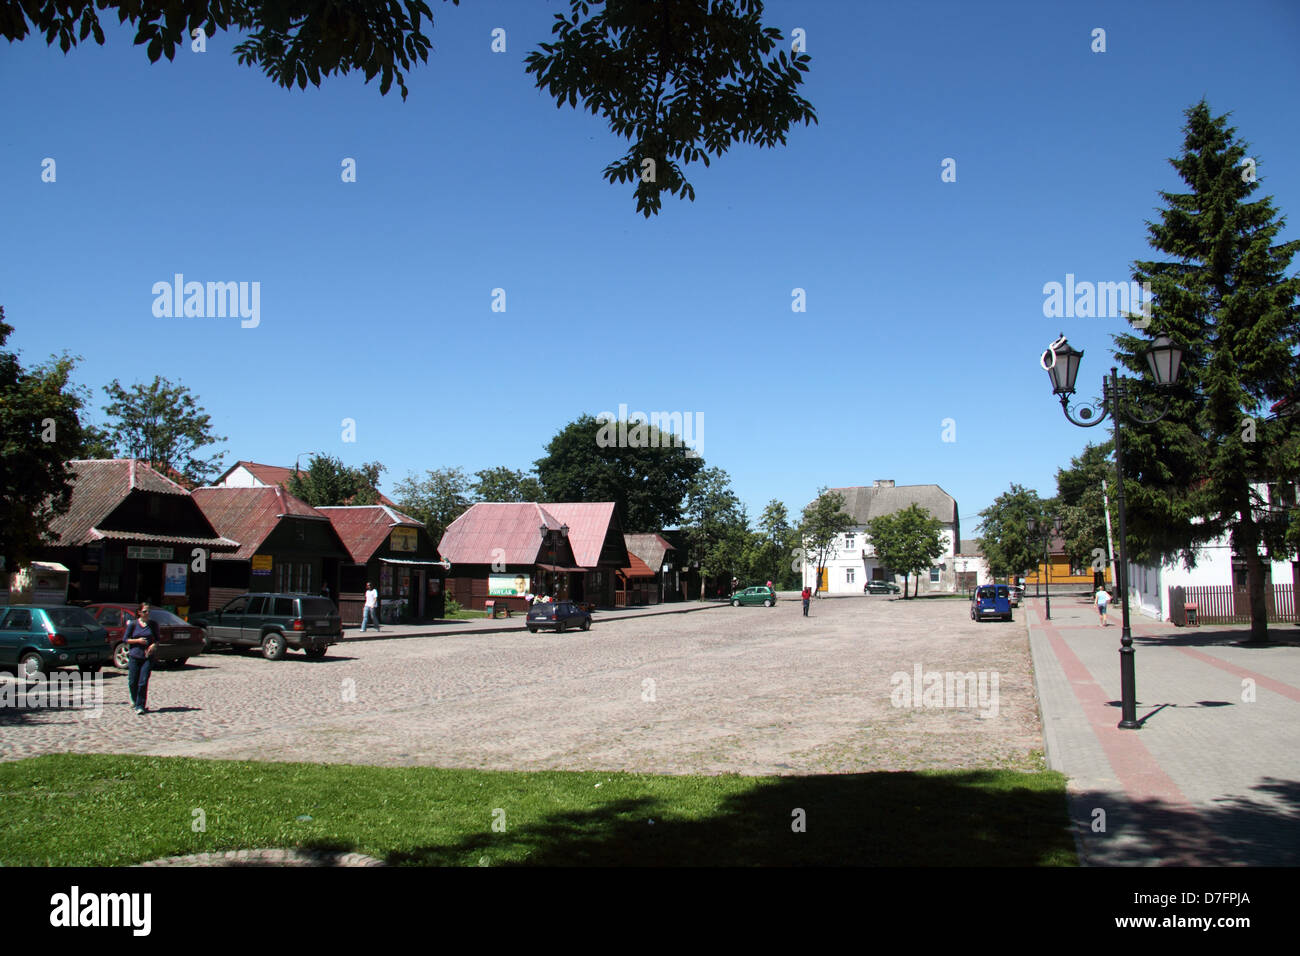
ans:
(760, 595)
(274, 622)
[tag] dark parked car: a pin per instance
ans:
(559, 615)
(178, 641)
(762, 594)
(881, 587)
(991, 600)
(274, 622)
(37, 639)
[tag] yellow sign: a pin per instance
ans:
(262, 563)
(403, 539)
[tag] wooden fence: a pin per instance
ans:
(1221, 604)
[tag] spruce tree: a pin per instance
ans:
(1225, 295)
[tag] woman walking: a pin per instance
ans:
(1102, 598)
(141, 637)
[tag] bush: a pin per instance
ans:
(452, 608)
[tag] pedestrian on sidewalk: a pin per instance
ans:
(371, 611)
(1103, 601)
(141, 637)
(807, 596)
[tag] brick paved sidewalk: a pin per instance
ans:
(1213, 776)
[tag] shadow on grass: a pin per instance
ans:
(874, 819)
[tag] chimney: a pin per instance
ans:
(883, 483)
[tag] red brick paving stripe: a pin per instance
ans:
(1271, 683)
(1136, 769)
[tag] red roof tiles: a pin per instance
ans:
(249, 515)
(364, 528)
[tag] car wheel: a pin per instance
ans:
(532, 630)
(586, 625)
(88, 668)
(560, 626)
(768, 603)
(31, 668)
(273, 647)
(735, 603)
(315, 653)
(120, 656)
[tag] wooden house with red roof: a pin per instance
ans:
(130, 534)
(395, 553)
(504, 550)
(285, 545)
(645, 580)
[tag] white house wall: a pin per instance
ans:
(860, 559)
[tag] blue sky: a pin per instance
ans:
(924, 297)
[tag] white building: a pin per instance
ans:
(851, 561)
(1216, 566)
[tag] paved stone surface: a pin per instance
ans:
(1211, 778)
(746, 690)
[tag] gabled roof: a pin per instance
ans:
(249, 515)
(99, 486)
(867, 503)
(269, 475)
(649, 548)
(509, 532)
(588, 525)
(364, 528)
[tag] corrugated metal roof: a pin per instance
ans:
(99, 486)
(588, 525)
(249, 515)
(509, 532)
(222, 544)
(636, 568)
(364, 528)
(650, 548)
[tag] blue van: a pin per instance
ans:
(991, 600)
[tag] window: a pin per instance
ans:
(848, 575)
(110, 572)
(934, 575)
(256, 606)
(19, 620)
(848, 543)
(283, 607)
(110, 617)
(238, 606)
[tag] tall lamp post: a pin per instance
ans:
(1045, 529)
(1062, 364)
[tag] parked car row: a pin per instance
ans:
(881, 587)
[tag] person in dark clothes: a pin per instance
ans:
(141, 637)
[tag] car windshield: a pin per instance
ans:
(70, 617)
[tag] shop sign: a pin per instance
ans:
(403, 539)
(139, 553)
(508, 585)
(261, 564)
(174, 578)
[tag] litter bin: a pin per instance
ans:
(1191, 615)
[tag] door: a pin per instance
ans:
(13, 633)
(821, 581)
(250, 630)
(230, 619)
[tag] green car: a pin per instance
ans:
(35, 640)
(760, 595)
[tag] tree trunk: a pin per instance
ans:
(1258, 605)
(906, 579)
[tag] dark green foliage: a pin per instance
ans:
(647, 484)
(291, 41)
(1080, 504)
(162, 424)
(1007, 546)
(39, 431)
(907, 542)
(823, 521)
(680, 79)
(327, 481)
(1224, 293)
(505, 484)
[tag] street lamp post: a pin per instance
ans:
(1048, 525)
(1163, 358)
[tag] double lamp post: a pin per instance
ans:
(1120, 404)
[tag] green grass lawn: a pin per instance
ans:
(463, 614)
(73, 809)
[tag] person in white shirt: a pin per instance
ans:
(371, 611)
(1102, 598)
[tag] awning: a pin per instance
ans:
(424, 564)
(48, 566)
(556, 567)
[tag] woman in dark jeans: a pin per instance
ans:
(141, 636)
